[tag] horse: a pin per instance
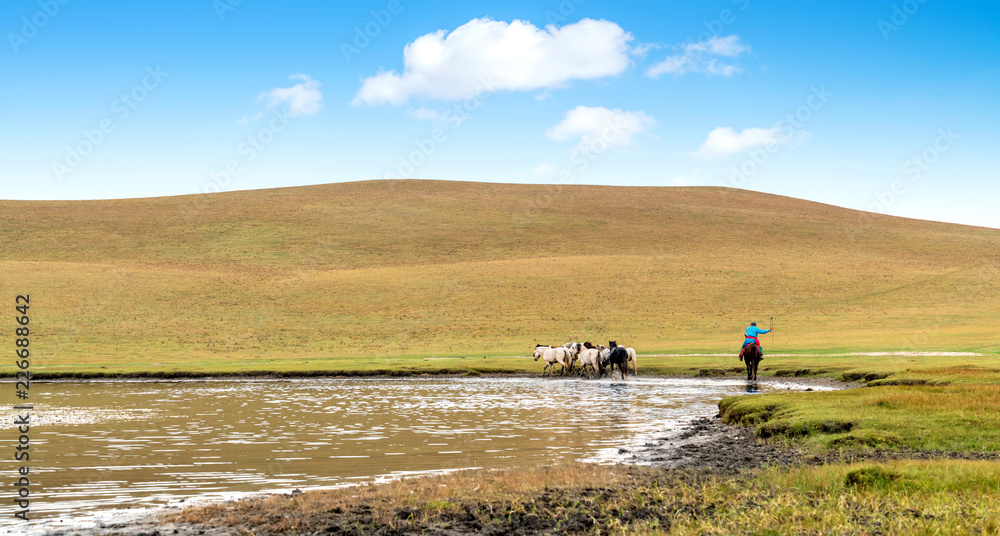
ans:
(618, 358)
(752, 355)
(605, 354)
(632, 361)
(591, 355)
(552, 355)
(574, 350)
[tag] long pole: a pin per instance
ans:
(771, 329)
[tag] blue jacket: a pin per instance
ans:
(753, 331)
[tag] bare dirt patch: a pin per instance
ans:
(709, 444)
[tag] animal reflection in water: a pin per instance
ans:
(752, 387)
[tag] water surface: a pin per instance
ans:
(122, 444)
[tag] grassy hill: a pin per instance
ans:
(329, 276)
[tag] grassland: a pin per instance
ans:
(386, 274)
(425, 276)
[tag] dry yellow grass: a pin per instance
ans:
(315, 277)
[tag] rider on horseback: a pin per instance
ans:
(751, 338)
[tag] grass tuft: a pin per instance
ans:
(870, 477)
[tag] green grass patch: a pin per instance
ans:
(894, 498)
(963, 417)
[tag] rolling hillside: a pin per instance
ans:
(301, 277)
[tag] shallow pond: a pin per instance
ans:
(97, 446)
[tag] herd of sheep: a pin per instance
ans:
(593, 359)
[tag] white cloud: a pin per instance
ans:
(543, 170)
(724, 141)
(615, 127)
(543, 95)
(685, 180)
(695, 58)
(540, 172)
(725, 69)
(640, 51)
(303, 98)
(722, 46)
(423, 113)
(488, 55)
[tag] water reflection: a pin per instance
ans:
(106, 445)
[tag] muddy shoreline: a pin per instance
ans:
(707, 443)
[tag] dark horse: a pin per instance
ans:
(618, 358)
(752, 355)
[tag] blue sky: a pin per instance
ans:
(885, 106)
